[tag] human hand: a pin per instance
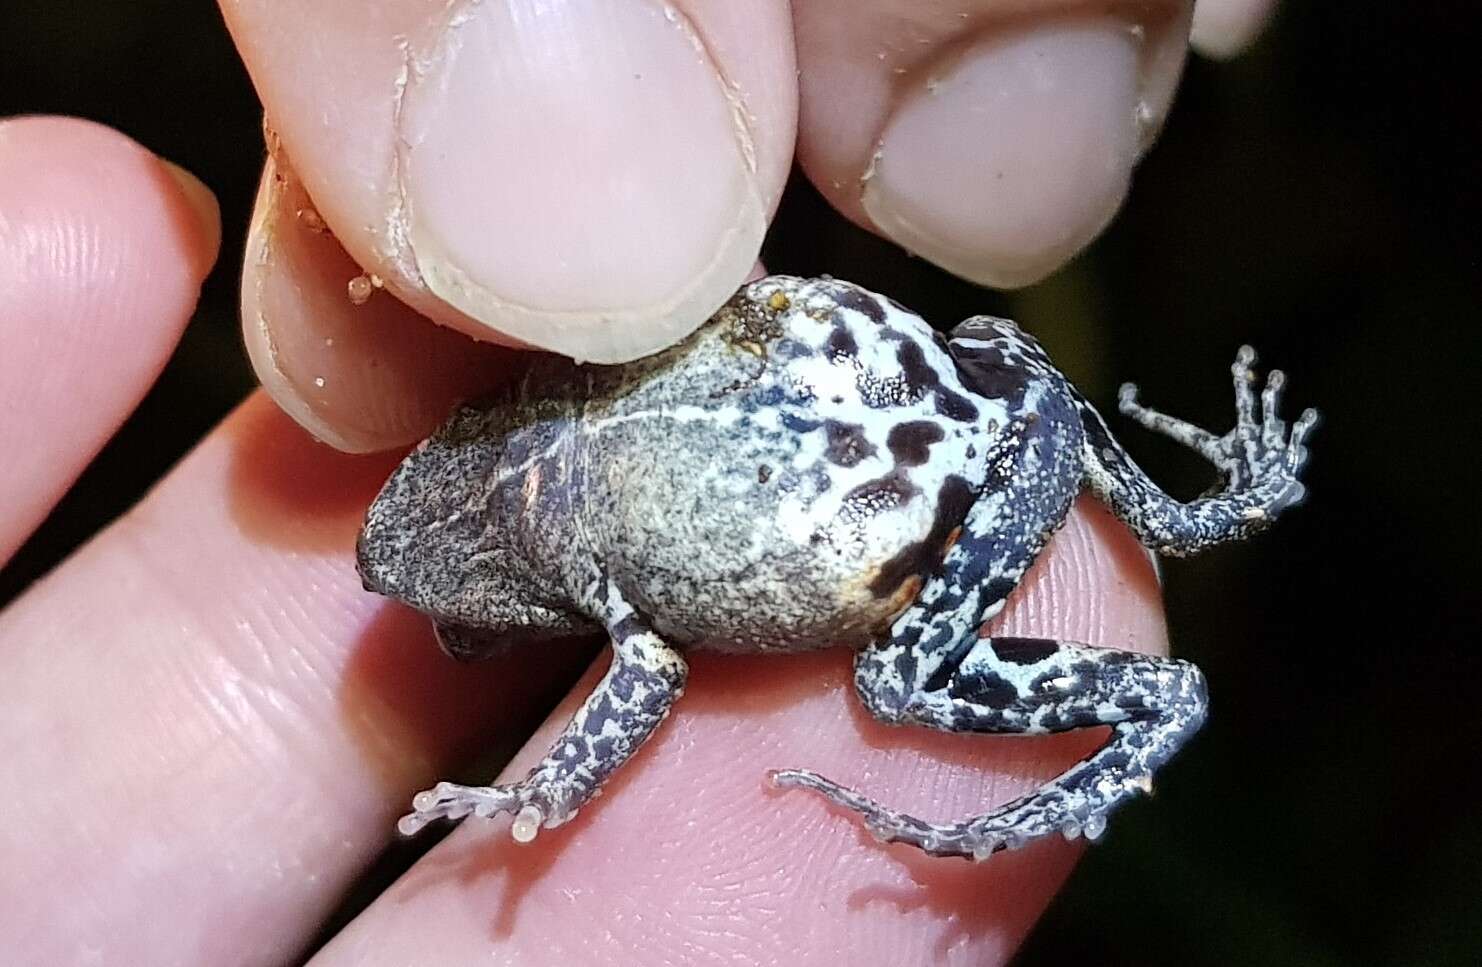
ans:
(212, 728)
(596, 178)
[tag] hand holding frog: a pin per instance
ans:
(211, 727)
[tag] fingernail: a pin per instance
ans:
(1224, 28)
(204, 210)
(1006, 160)
(267, 288)
(574, 171)
(359, 376)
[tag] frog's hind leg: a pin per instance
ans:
(644, 680)
(1035, 686)
(1032, 475)
(934, 669)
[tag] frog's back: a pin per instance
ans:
(783, 476)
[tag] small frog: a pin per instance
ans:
(815, 466)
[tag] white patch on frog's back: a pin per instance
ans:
(855, 523)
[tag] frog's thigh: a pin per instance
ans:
(1035, 474)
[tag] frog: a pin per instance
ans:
(813, 467)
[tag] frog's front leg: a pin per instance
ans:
(641, 685)
(1260, 460)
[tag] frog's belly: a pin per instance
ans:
(804, 539)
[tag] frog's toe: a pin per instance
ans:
(1208, 445)
(1296, 447)
(1263, 455)
(1055, 809)
(1034, 686)
(448, 800)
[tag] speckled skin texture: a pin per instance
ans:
(813, 467)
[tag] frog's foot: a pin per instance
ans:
(1031, 685)
(532, 808)
(1260, 460)
(1261, 456)
(1076, 803)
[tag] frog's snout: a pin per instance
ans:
(377, 561)
(415, 538)
(383, 554)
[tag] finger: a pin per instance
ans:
(994, 137)
(103, 247)
(581, 176)
(354, 366)
(689, 857)
(209, 727)
(1224, 28)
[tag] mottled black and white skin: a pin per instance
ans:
(814, 467)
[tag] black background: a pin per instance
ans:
(1318, 198)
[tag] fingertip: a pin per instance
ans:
(645, 184)
(1004, 164)
(350, 363)
(996, 146)
(1224, 29)
(205, 214)
(102, 255)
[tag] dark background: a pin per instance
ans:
(1318, 198)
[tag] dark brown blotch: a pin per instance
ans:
(849, 297)
(921, 378)
(910, 443)
(953, 501)
(985, 688)
(841, 342)
(989, 372)
(1023, 651)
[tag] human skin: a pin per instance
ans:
(595, 178)
(210, 727)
